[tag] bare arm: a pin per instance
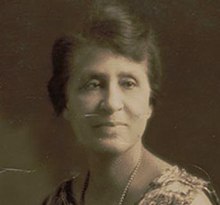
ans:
(201, 199)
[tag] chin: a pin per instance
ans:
(110, 146)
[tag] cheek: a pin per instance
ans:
(84, 103)
(140, 112)
(139, 104)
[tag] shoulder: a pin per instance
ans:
(176, 186)
(201, 199)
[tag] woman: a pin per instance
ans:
(105, 81)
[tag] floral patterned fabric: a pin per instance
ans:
(174, 187)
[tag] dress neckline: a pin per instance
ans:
(155, 182)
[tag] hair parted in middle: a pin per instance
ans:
(111, 26)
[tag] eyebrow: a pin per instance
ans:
(127, 74)
(93, 75)
(103, 76)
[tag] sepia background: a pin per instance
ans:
(37, 150)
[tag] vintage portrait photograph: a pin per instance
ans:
(110, 102)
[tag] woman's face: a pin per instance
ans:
(107, 101)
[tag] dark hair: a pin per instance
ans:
(110, 26)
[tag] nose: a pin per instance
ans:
(112, 100)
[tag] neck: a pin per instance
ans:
(113, 171)
(110, 175)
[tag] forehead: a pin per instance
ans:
(95, 59)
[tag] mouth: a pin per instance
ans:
(109, 124)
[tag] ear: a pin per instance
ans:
(149, 113)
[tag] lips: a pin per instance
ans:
(109, 124)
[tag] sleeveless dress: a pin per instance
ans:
(174, 186)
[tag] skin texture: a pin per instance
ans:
(108, 101)
(201, 199)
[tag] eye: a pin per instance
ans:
(93, 84)
(128, 83)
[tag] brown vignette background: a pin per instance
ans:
(185, 127)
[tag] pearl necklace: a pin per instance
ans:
(125, 191)
(130, 180)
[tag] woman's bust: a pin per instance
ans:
(105, 82)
